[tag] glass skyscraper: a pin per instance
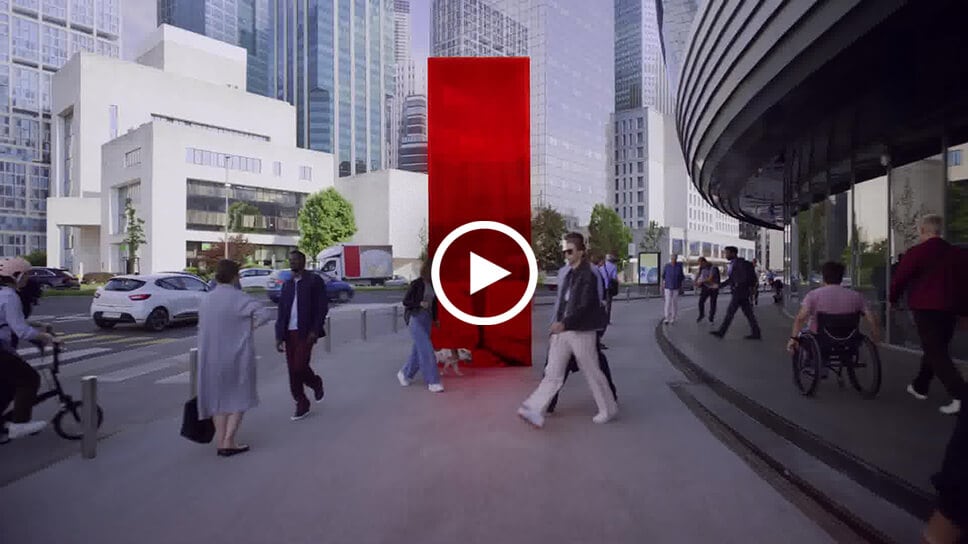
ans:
(640, 75)
(36, 39)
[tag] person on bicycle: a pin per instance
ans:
(832, 298)
(18, 380)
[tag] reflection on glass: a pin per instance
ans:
(869, 210)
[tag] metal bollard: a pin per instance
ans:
(396, 319)
(89, 417)
(193, 372)
(363, 324)
(327, 326)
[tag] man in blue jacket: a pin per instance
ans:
(302, 313)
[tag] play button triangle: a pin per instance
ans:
(484, 273)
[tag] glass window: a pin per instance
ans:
(81, 42)
(26, 88)
(109, 17)
(55, 9)
(641, 167)
(54, 52)
(194, 285)
(305, 173)
(26, 39)
(277, 168)
(82, 13)
(113, 120)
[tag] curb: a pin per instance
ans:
(877, 481)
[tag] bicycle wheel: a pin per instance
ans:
(67, 422)
(806, 365)
(865, 369)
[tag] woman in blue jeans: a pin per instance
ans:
(420, 313)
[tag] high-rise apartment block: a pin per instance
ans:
(475, 28)
(36, 39)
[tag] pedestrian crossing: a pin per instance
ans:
(61, 318)
(85, 345)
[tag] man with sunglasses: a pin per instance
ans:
(578, 317)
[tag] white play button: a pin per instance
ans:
(484, 273)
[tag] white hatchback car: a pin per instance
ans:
(254, 277)
(152, 300)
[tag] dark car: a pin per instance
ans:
(336, 290)
(53, 278)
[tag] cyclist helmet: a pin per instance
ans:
(13, 267)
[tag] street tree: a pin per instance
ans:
(240, 251)
(324, 220)
(652, 240)
(547, 230)
(607, 233)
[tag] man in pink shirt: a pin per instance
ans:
(832, 298)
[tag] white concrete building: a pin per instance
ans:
(158, 132)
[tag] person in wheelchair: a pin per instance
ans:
(19, 382)
(834, 299)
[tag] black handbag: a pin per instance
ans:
(194, 429)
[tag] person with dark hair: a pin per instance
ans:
(19, 382)
(420, 313)
(303, 306)
(832, 298)
(708, 281)
(578, 317)
(741, 277)
(226, 356)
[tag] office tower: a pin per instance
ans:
(640, 75)
(413, 140)
(570, 43)
(405, 81)
(675, 18)
(475, 28)
(246, 23)
(37, 39)
(334, 61)
(401, 30)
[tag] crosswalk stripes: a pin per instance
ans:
(84, 345)
(66, 356)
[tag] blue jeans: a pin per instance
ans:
(422, 356)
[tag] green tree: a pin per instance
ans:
(38, 257)
(607, 233)
(547, 229)
(134, 233)
(238, 211)
(652, 240)
(324, 220)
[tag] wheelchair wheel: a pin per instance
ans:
(806, 365)
(67, 422)
(865, 369)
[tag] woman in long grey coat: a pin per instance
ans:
(226, 356)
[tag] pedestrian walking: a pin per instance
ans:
(19, 382)
(755, 294)
(578, 317)
(602, 359)
(931, 274)
(420, 313)
(949, 523)
(672, 278)
(303, 306)
(741, 277)
(708, 281)
(226, 356)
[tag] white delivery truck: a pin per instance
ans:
(356, 263)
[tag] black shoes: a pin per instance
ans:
(754, 337)
(229, 452)
(318, 394)
(717, 334)
(301, 412)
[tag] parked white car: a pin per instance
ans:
(152, 300)
(254, 277)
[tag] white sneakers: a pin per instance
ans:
(601, 418)
(531, 417)
(404, 382)
(17, 430)
(436, 388)
(951, 409)
(403, 379)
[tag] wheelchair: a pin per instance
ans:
(839, 347)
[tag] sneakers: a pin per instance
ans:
(402, 379)
(951, 409)
(531, 417)
(301, 412)
(436, 388)
(914, 393)
(318, 394)
(601, 418)
(17, 430)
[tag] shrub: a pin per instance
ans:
(97, 277)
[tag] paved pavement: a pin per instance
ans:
(891, 444)
(380, 463)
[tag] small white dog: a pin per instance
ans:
(451, 357)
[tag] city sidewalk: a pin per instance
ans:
(891, 444)
(379, 463)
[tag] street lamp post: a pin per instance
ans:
(227, 187)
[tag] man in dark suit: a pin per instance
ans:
(742, 278)
(303, 306)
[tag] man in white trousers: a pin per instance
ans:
(672, 278)
(578, 317)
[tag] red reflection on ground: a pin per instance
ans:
(479, 170)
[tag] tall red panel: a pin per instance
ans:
(479, 167)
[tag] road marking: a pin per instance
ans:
(180, 379)
(135, 371)
(75, 335)
(122, 339)
(95, 338)
(67, 356)
(155, 341)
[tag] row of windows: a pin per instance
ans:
(626, 124)
(639, 154)
(212, 128)
(211, 158)
(622, 169)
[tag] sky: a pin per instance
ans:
(140, 18)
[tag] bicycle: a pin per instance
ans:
(67, 420)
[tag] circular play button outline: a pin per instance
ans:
(510, 233)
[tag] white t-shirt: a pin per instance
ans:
(294, 313)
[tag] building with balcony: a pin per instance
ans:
(37, 39)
